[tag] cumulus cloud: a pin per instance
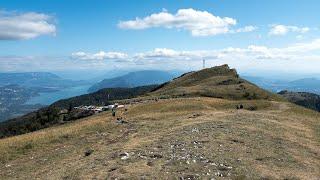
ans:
(164, 53)
(299, 57)
(252, 52)
(278, 29)
(199, 23)
(99, 56)
(29, 25)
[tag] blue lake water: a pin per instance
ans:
(49, 98)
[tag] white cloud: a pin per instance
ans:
(304, 47)
(278, 29)
(245, 29)
(296, 58)
(164, 53)
(99, 56)
(252, 52)
(199, 23)
(29, 25)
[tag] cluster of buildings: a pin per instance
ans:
(98, 109)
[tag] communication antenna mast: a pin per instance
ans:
(203, 63)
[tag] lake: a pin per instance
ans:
(51, 97)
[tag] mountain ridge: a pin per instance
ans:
(134, 79)
(36, 79)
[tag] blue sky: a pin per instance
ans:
(77, 34)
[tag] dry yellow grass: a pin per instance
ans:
(190, 137)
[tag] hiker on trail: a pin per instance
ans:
(120, 117)
(113, 110)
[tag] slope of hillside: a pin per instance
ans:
(134, 79)
(218, 82)
(188, 138)
(307, 100)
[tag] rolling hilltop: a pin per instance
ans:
(217, 82)
(188, 128)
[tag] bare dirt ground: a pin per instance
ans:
(190, 138)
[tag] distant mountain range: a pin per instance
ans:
(37, 79)
(311, 85)
(134, 79)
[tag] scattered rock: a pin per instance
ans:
(220, 126)
(237, 141)
(156, 156)
(189, 177)
(239, 106)
(124, 156)
(88, 152)
(195, 130)
(218, 174)
(149, 163)
(223, 168)
(113, 169)
(121, 121)
(195, 115)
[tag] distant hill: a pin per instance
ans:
(307, 100)
(218, 82)
(311, 85)
(51, 115)
(306, 84)
(134, 79)
(36, 79)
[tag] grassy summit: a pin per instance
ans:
(219, 82)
